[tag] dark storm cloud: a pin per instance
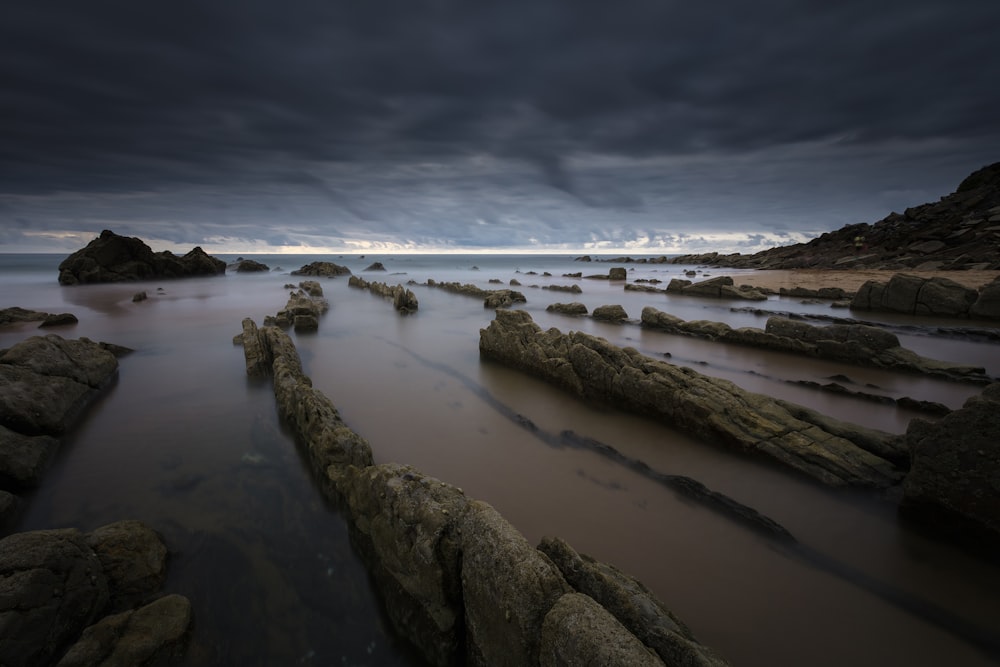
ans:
(334, 99)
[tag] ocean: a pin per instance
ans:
(185, 442)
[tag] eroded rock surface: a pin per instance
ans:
(113, 258)
(917, 295)
(714, 410)
(403, 300)
(322, 270)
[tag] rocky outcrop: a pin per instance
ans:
(954, 479)
(572, 289)
(610, 313)
(916, 295)
(458, 580)
(15, 314)
(714, 410)
(501, 298)
(375, 266)
(249, 266)
(856, 344)
(632, 604)
(720, 287)
(303, 309)
(46, 382)
(112, 258)
(574, 308)
(403, 300)
(322, 270)
(960, 231)
(56, 585)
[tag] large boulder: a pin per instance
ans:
(610, 313)
(954, 478)
(113, 258)
(720, 287)
(916, 295)
(249, 266)
(322, 270)
(134, 559)
(48, 380)
(52, 586)
(154, 634)
(23, 458)
(711, 409)
(987, 305)
(579, 631)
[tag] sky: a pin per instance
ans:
(642, 127)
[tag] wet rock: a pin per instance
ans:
(987, 305)
(8, 507)
(133, 558)
(249, 266)
(504, 298)
(322, 270)
(508, 587)
(114, 258)
(579, 631)
(632, 604)
(403, 300)
(155, 634)
(48, 380)
(312, 288)
(375, 266)
(302, 312)
(574, 308)
(720, 287)
(611, 313)
(139, 296)
(573, 289)
(617, 273)
(58, 320)
(709, 408)
(23, 458)
(954, 479)
(915, 295)
(404, 525)
(16, 314)
(52, 586)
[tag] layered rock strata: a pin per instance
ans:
(720, 287)
(403, 300)
(856, 344)
(714, 410)
(500, 298)
(941, 297)
(322, 270)
(458, 580)
(112, 258)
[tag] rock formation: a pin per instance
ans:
(57, 588)
(249, 266)
(610, 313)
(916, 295)
(46, 382)
(322, 270)
(961, 231)
(720, 287)
(574, 308)
(112, 258)
(714, 410)
(501, 298)
(303, 309)
(458, 580)
(15, 314)
(954, 479)
(375, 266)
(403, 300)
(856, 344)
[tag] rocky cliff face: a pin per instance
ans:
(961, 231)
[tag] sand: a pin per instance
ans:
(849, 280)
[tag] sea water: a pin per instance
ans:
(185, 442)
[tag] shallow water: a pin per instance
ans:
(187, 443)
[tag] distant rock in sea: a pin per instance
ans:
(961, 231)
(111, 258)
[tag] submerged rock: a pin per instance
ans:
(113, 258)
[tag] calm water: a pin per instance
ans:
(186, 443)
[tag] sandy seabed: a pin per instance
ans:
(851, 280)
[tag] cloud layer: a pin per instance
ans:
(524, 124)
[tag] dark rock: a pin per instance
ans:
(312, 288)
(52, 586)
(133, 558)
(16, 314)
(24, 458)
(915, 295)
(711, 409)
(152, 635)
(503, 298)
(632, 604)
(249, 266)
(574, 289)
(720, 287)
(610, 313)
(139, 296)
(375, 266)
(114, 258)
(403, 300)
(954, 478)
(987, 305)
(579, 631)
(567, 308)
(617, 273)
(58, 320)
(322, 270)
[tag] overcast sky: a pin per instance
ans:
(644, 127)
